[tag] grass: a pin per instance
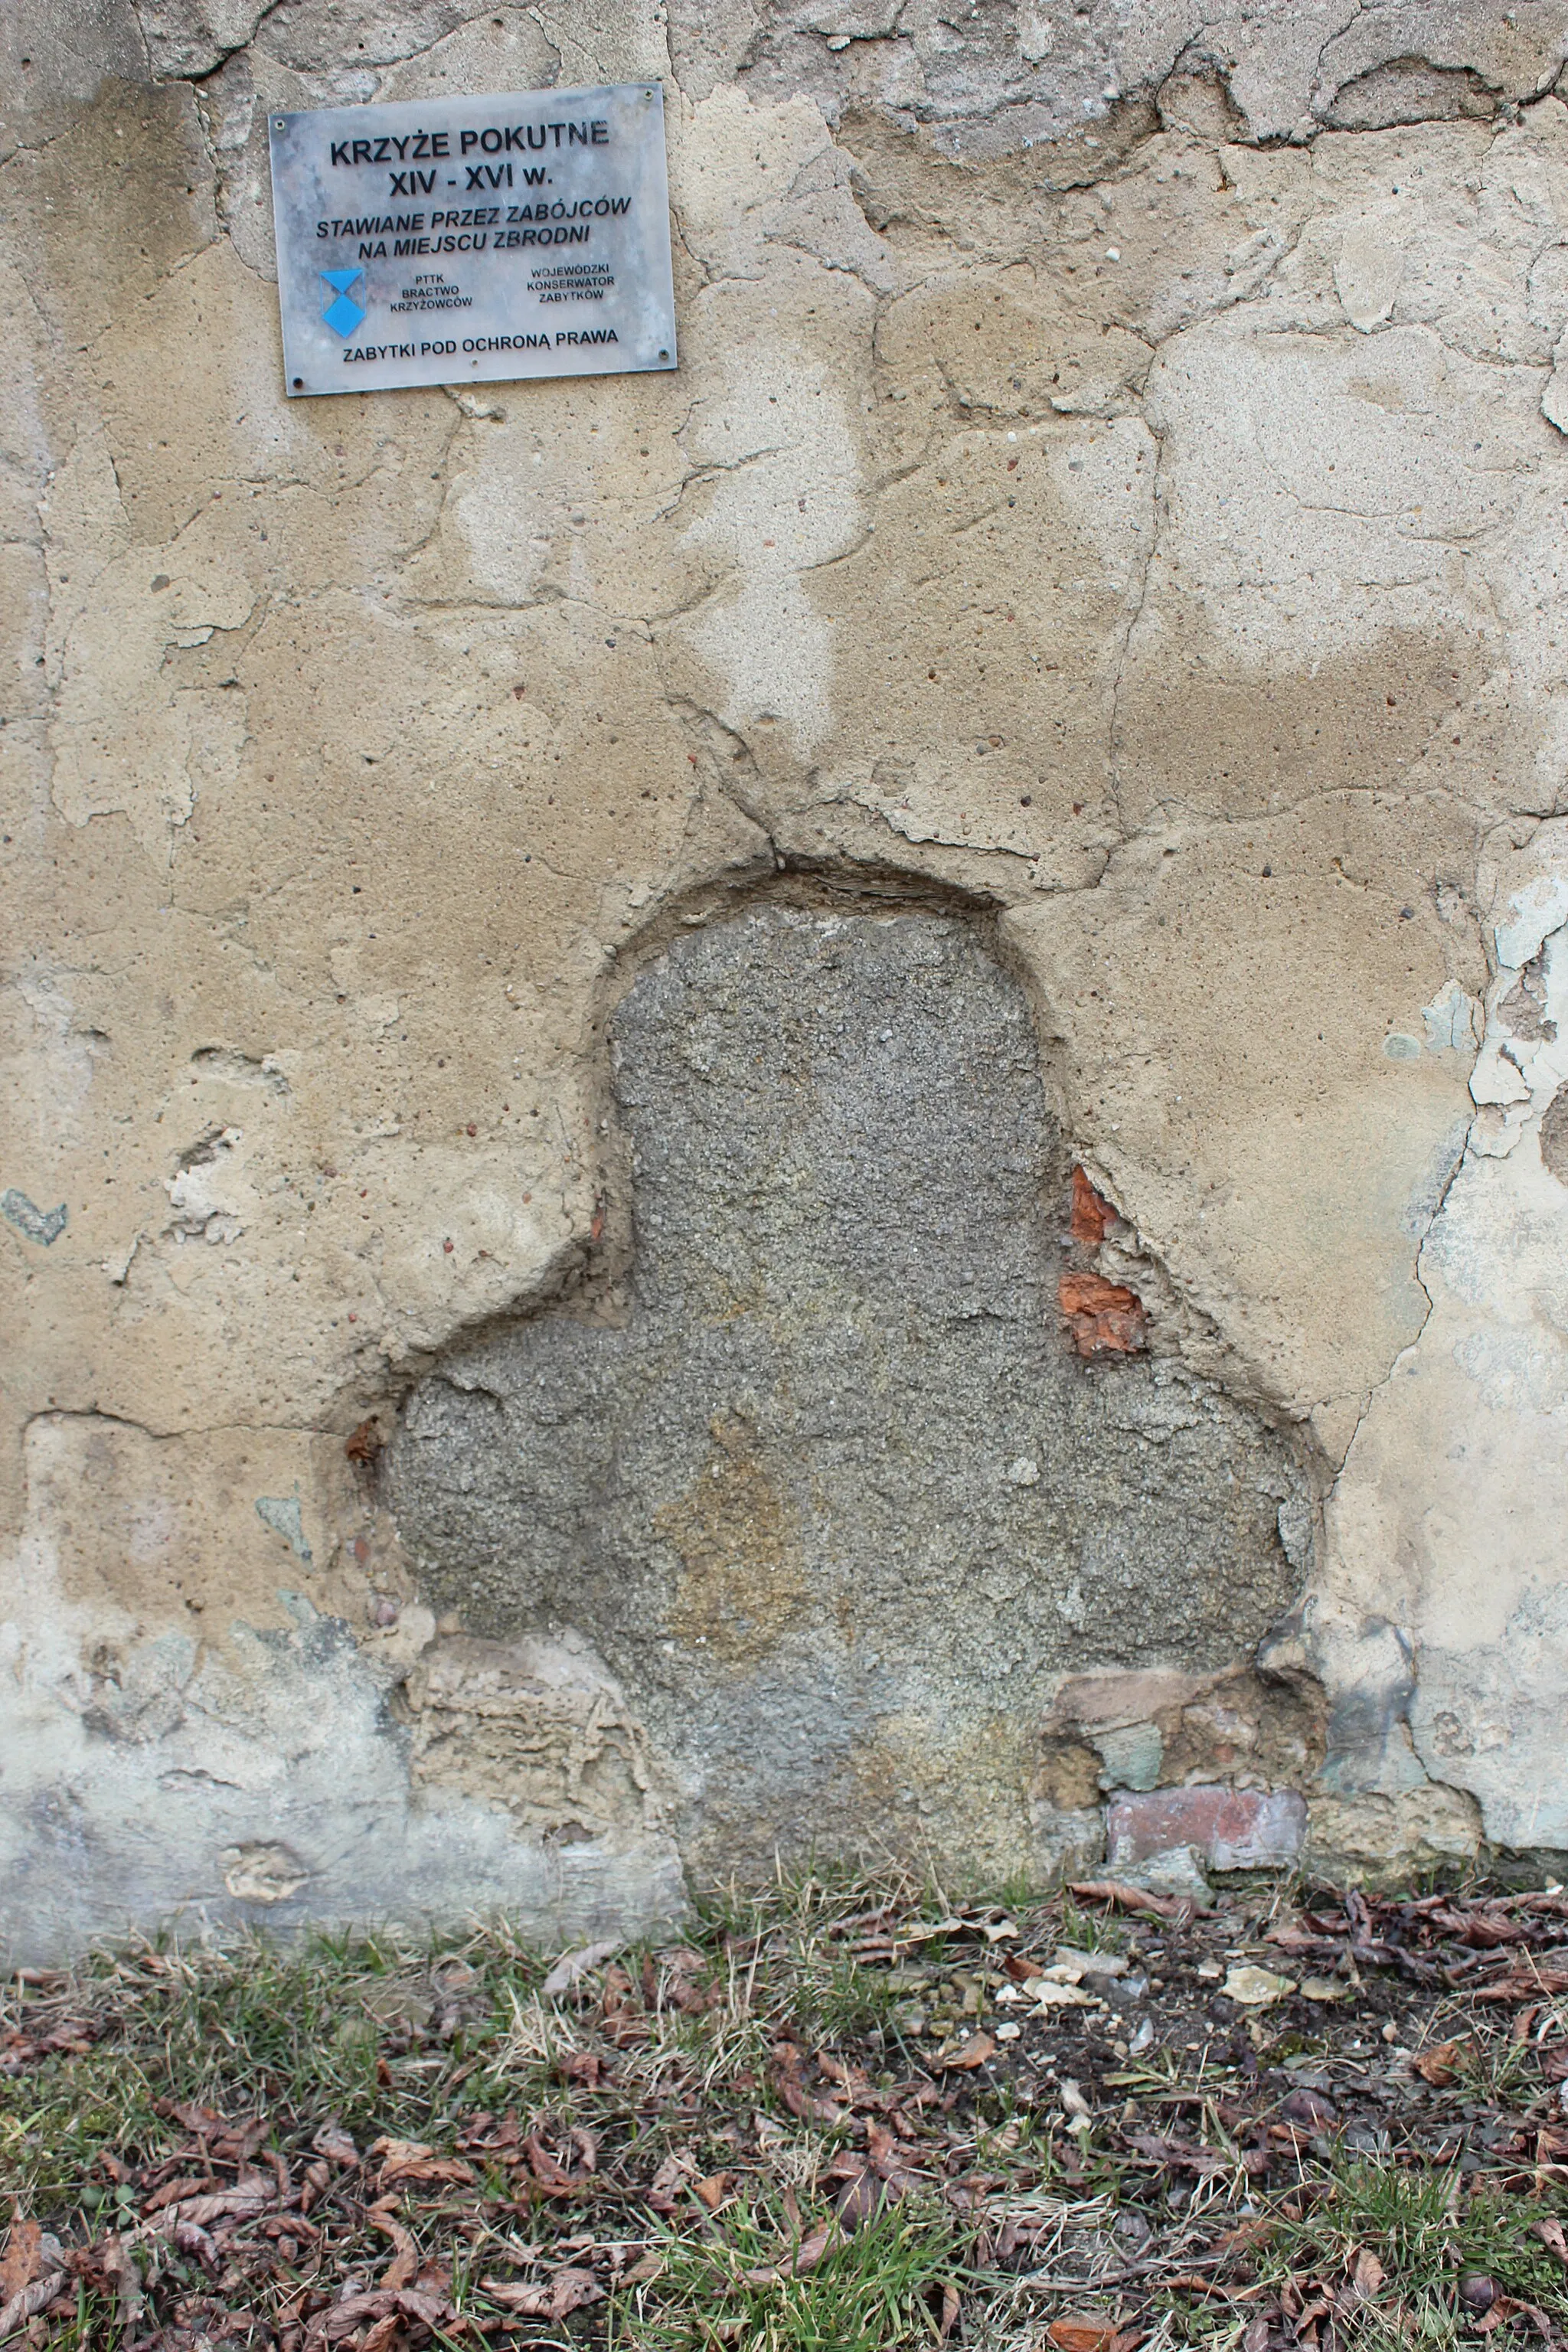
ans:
(1427, 2236)
(1091, 1931)
(831, 2117)
(251, 2028)
(881, 2286)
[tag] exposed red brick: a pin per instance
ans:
(1105, 1318)
(1092, 1212)
(1235, 1829)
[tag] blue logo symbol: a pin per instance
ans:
(343, 312)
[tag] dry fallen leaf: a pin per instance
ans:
(556, 2178)
(1550, 2233)
(1322, 1989)
(1087, 2331)
(864, 2193)
(1253, 2232)
(568, 2291)
(121, 2273)
(1127, 1898)
(1505, 2307)
(1254, 1988)
(1367, 2276)
(404, 2267)
(806, 2104)
(807, 2256)
(190, 2237)
(573, 1965)
(30, 2301)
(198, 2211)
(963, 2055)
(1439, 2065)
(676, 2171)
(349, 2312)
(410, 2159)
(582, 2066)
(23, 2259)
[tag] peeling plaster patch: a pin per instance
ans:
(1489, 1718)
(537, 1728)
(1271, 437)
(1406, 90)
(1428, 1192)
(43, 1225)
(1368, 269)
(1452, 1020)
(210, 1191)
(485, 1244)
(1554, 1135)
(126, 736)
(1459, 1458)
(238, 1070)
(264, 1872)
(835, 1500)
(782, 500)
(1554, 397)
(774, 651)
(58, 1057)
(282, 1515)
(1540, 907)
(150, 1776)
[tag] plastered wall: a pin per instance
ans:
(1112, 504)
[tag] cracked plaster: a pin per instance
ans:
(1115, 471)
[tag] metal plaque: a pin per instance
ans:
(464, 240)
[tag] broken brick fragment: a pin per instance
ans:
(1092, 1213)
(1105, 1318)
(1233, 1828)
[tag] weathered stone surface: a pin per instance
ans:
(1001, 77)
(835, 1500)
(1233, 1828)
(1147, 1728)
